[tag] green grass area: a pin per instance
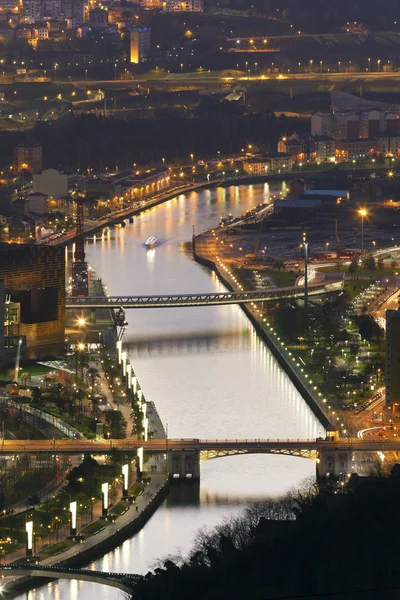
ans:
(136, 490)
(56, 548)
(35, 369)
(283, 278)
(92, 528)
(356, 286)
(367, 273)
(119, 508)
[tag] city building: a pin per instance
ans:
(274, 163)
(28, 157)
(345, 125)
(34, 278)
(51, 182)
(293, 146)
(355, 149)
(256, 166)
(388, 145)
(139, 44)
(32, 11)
(321, 124)
(324, 149)
(37, 203)
(183, 6)
(98, 16)
(53, 9)
(392, 357)
(126, 186)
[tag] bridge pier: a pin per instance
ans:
(183, 464)
(334, 462)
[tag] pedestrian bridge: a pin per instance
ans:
(123, 581)
(182, 300)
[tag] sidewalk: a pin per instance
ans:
(134, 514)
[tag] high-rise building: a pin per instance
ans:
(34, 278)
(33, 11)
(139, 44)
(74, 9)
(53, 9)
(321, 124)
(393, 357)
(28, 157)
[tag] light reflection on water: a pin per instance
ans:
(207, 372)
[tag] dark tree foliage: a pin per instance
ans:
(336, 544)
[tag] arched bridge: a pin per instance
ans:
(123, 581)
(182, 300)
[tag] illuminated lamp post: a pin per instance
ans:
(363, 213)
(125, 475)
(29, 538)
(72, 510)
(104, 491)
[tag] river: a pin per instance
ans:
(208, 374)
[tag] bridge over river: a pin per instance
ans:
(123, 581)
(184, 455)
(182, 300)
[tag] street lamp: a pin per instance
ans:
(369, 65)
(181, 68)
(363, 213)
(86, 75)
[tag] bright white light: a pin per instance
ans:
(119, 350)
(29, 531)
(72, 510)
(129, 372)
(124, 357)
(125, 474)
(140, 457)
(146, 428)
(104, 489)
(134, 384)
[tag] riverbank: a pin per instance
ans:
(203, 254)
(128, 516)
(94, 226)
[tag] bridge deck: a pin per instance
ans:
(181, 300)
(69, 446)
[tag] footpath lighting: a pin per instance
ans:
(119, 351)
(140, 457)
(129, 374)
(363, 213)
(72, 510)
(125, 475)
(29, 538)
(104, 491)
(124, 358)
(140, 395)
(146, 429)
(134, 384)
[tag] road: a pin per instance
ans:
(159, 445)
(174, 79)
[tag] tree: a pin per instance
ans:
(36, 395)
(278, 264)
(25, 377)
(353, 266)
(370, 263)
